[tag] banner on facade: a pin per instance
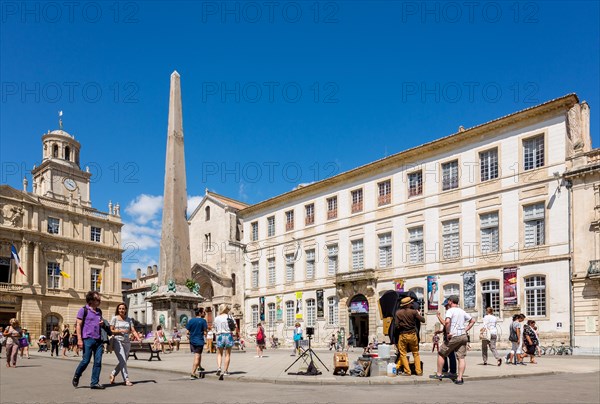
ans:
(399, 285)
(278, 307)
(298, 305)
(432, 292)
(261, 308)
(469, 289)
(510, 286)
(320, 304)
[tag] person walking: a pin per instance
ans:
(74, 346)
(121, 326)
(25, 343)
(457, 338)
(89, 320)
(160, 339)
(12, 333)
(406, 325)
(224, 340)
(197, 328)
(489, 336)
(531, 340)
(54, 341)
(449, 368)
(516, 337)
(65, 340)
(260, 340)
(297, 339)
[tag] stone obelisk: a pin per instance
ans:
(173, 300)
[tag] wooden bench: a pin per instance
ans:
(144, 347)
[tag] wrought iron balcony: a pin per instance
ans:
(594, 269)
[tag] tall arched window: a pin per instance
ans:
(452, 289)
(68, 153)
(535, 296)
(311, 313)
(207, 213)
(254, 316)
(419, 293)
(289, 313)
(55, 151)
(332, 310)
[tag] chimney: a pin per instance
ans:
(138, 273)
(155, 269)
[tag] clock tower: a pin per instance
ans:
(59, 175)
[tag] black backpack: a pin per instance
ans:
(105, 331)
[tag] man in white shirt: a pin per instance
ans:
(489, 336)
(457, 339)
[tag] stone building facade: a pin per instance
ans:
(480, 213)
(66, 246)
(140, 309)
(217, 253)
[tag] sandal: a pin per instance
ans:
(128, 383)
(112, 379)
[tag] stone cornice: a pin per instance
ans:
(529, 116)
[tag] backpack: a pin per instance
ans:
(231, 324)
(260, 336)
(513, 337)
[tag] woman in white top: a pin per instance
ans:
(489, 335)
(122, 327)
(224, 340)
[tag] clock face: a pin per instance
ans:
(70, 184)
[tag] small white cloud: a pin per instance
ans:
(145, 208)
(192, 204)
(139, 237)
(242, 195)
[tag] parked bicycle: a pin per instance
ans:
(554, 349)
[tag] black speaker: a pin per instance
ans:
(310, 330)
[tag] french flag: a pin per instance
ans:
(15, 256)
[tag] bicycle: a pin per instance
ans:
(557, 349)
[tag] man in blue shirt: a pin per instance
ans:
(197, 330)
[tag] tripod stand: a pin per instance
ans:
(308, 354)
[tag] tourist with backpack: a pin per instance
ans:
(516, 338)
(89, 323)
(260, 340)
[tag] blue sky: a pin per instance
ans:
(274, 94)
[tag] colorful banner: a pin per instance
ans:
(298, 305)
(320, 304)
(432, 292)
(469, 289)
(510, 286)
(261, 308)
(399, 285)
(279, 307)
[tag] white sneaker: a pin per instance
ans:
(219, 372)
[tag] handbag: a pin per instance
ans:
(23, 343)
(483, 334)
(231, 324)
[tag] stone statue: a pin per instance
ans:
(161, 320)
(183, 320)
(196, 289)
(171, 286)
(153, 288)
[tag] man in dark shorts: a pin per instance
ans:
(197, 328)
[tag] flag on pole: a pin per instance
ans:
(99, 281)
(15, 256)
(60, 272)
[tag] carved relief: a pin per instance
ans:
(574, 126)
(11, 215)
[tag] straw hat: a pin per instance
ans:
(406, 301)
(223, 308)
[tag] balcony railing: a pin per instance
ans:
(309, 220)
(332, 214)
(384, 199)
(357, 207)
(10, 287)
(594, 269)
(289, 226)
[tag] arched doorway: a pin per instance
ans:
(358, 310)
(52, 320)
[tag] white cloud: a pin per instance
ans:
(242, 195)
(145, 208)
(139, 237)
(192, 204)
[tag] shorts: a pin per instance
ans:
(224, 341)
(457, 344)
(517, 348)
(197, 349)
